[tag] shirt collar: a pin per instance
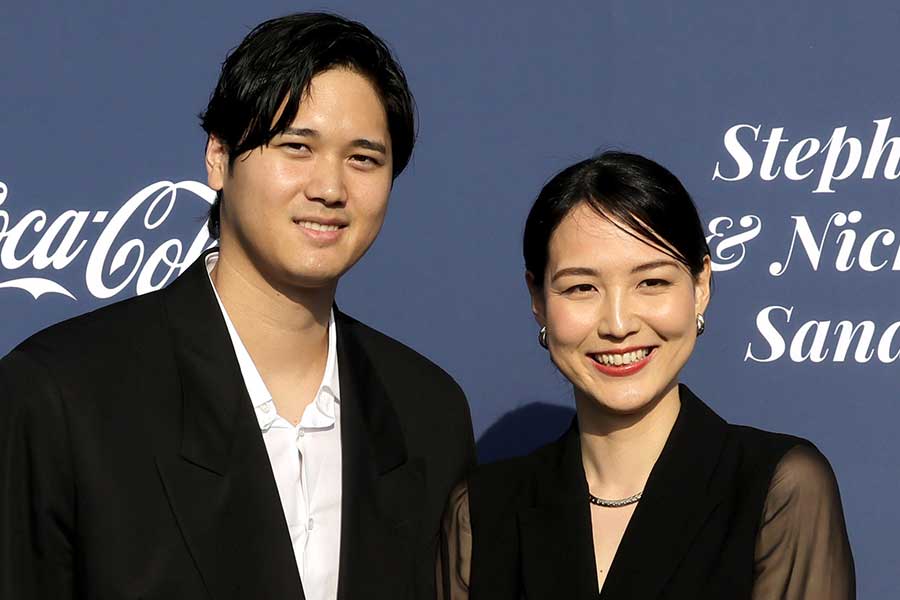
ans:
(321, 412)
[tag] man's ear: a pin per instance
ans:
(216, 162)
(538, 306)
(702, 284)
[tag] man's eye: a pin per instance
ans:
(365, 159)
(298, 146)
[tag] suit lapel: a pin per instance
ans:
(383, 488)
(679, 497)
(557, 548)
(220, 482)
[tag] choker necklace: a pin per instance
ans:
(614, 503)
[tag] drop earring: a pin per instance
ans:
(542, 338)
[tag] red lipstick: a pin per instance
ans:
(623, 370)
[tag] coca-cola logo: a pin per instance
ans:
(115, 262)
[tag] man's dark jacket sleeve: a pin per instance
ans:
(37, 512)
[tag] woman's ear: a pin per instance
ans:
(538, 306)
(702, 284)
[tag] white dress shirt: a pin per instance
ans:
(306, 461)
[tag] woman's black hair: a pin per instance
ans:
(628, 190)
(276, 62)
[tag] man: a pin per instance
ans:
(235, 435)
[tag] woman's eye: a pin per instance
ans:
(654, 283)
(581, 288)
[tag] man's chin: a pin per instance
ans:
(311, 281)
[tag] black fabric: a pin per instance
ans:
(132, 464)
(692, 535)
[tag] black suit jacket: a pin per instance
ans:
(692, 536)
(132, 465)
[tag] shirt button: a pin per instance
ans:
(302, 433)
(309, 525)
(265, 408)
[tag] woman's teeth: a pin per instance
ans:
(622, 359)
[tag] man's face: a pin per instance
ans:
(300, 211)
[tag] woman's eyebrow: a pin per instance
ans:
(655, 264)
(575, 271)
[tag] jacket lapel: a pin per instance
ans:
(557, 548)
(679, 497)
(383, 488)
(220, 482)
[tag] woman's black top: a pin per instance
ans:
(728, 512)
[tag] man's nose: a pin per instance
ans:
(326, 181)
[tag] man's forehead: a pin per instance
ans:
(336, 98)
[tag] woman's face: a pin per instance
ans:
(621, 315)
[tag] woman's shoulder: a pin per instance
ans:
(755, 440)
(509, 475)
(488, 503)
(743, 448)
(803, 477)
(758, 446)
(514, 481)
(793, 467)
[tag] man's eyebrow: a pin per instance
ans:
(301, 131)
(568, 271)
(655, 264)
(369, 145)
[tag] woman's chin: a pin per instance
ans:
(622, 401)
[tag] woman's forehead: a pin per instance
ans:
(587, 233)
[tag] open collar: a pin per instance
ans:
(328, 393)
(221, 475)
(557, 544)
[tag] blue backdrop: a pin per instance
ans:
(776, 116)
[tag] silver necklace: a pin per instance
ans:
(614, 503)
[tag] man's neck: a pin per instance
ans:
(285, 331)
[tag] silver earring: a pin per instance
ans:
(542, 337)
(701, 324)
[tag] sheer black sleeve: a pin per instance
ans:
(455, 558)
(802, 550)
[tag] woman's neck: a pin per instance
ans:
(618, 450)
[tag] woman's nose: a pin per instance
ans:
(616, 319)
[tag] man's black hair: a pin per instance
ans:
(275, 64)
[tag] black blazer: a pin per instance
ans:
(692, 535)
(132, 465)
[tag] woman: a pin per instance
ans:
(650, 494)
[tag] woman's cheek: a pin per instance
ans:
(672, 318)
(569, 323)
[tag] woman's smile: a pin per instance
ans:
(622, 363)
